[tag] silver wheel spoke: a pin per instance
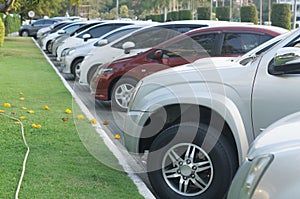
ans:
(174, 157)
(174, 170)
(201, 181)
(175, 175)
(201, 166)
(184, 177)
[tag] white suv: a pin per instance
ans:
(197, 120)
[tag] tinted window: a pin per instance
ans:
(201, 45)
(240, 43)
(58, 27)
(148, 38)
(72, 28)
(39, 23)
(97, 32)
(49, 22)
(119, 34)
(182, 28)
(84, 27)
(206, 41)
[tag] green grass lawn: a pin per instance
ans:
(59, 165)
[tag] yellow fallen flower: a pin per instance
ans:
(33, 125)
(22, 98)
(117, 136)
(46, 108)
(23, 108)
(22, 117)
(68, 111)
(7, 105)
(17, 123)
(38, 126)
(30, 111)
(93, 121)
(80, 117)
(2, 111)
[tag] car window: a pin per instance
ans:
(148, 38)
(118, 34)
(182, 28)
(49, 22)
(240, 43)
(198, 45)
(72, 28)
(206, 41)
(98, 31)
(39, 23)
(82, 28)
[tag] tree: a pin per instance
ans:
(6, 6)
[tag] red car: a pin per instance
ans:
(232, 40)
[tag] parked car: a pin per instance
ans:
(71, 60)
(31, 29)
(271, 167)
(53, 27)
(137, 42)
(196, 121)
(230, 40)
(47, 39)
(61, 39)
(43, 32)
(92, 34)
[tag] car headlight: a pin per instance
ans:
(64, 52)
(256, 170)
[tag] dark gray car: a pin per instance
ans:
(31, 29)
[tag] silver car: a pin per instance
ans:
(272, 165)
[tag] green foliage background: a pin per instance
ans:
(203, 13)
(223, 13)
(249, 14)
(281, 15)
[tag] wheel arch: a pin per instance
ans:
(76, 59)
(114, 81)
(173, 113)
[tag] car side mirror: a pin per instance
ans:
(101, 42)
(158, 54)
(61, 32)
(127, 46)
(286, 61)
(86, 37)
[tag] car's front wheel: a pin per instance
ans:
(25, 33)
(121, 93)
(75, 68)
(190, 161)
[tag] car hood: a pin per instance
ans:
(282, 135)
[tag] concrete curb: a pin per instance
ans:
(142, 188)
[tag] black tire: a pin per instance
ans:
(24, 33)
(121, 92)
(49, 47)
(218, 156)
(75, 68)
(91, 73)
